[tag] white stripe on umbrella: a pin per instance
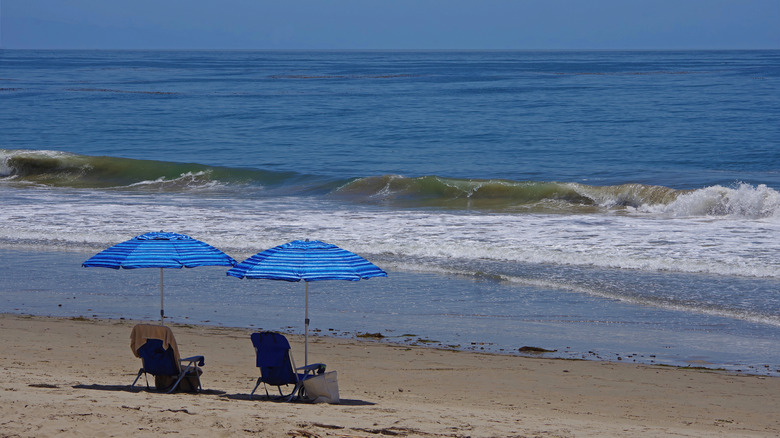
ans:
(308, 261)
(159, 250)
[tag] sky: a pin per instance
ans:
(390, 24)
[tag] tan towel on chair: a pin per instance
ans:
(142, 332)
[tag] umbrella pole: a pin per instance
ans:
(162, 314)
(306, 335)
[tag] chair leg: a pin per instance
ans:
(184, 374)
(294, 395)
(176, 383)
(259, 379)
(282, 396)
(197, 375)
(296, 392)
(141, 371)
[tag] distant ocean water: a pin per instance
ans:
(602, 204)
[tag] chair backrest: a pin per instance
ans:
(157, 360)
(273, 358)
(143, 332)
(157, 348)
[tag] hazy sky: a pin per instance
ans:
(390, 24)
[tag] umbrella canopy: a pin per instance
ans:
(160, 250)
(308, 261)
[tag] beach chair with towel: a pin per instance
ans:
(159, 354)
(277, 368)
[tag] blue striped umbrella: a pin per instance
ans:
(160, 250)
(308, 261)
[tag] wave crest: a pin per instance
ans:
(743, 200)
(438, 192)
(63, 169)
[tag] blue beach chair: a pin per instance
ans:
(277, 367)
(159, 354)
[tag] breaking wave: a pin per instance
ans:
(742, 200)
(63, 169)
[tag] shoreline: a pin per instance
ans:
(526, 351)
(607, 330)
(71, 376)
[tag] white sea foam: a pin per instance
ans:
(724, 245)
(744, 200)
(200, 180)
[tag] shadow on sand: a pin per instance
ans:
(260, 398)
(244, 397)
(126, 388)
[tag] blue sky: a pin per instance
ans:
(390, 24)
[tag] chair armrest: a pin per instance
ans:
(200, 359)
(318, 367)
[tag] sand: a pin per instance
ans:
(71, 377)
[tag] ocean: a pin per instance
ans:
(602, 205)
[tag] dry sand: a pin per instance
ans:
(71, 377)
